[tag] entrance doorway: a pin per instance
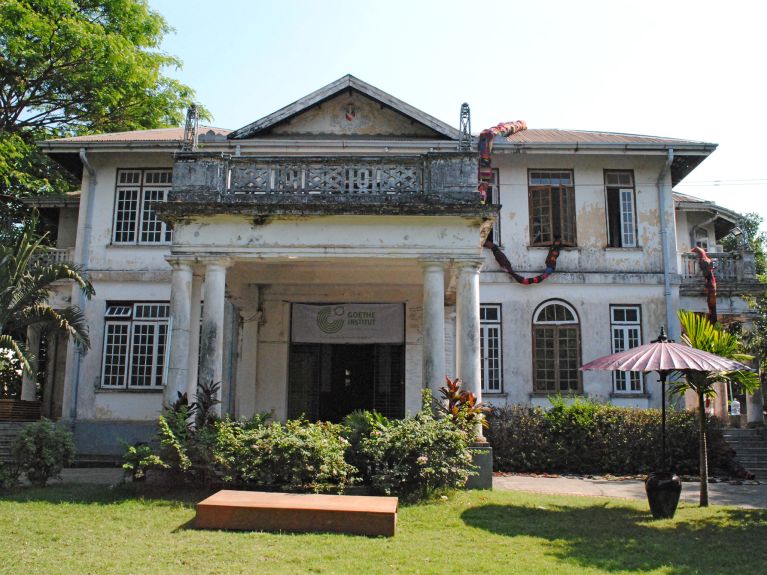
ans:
(328, 381)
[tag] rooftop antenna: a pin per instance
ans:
(189, 143)
(464, 142)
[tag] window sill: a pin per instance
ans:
(493, 394)
(547, 248)
(632, 249)
(123, 246)
(544, 395)
(635, 395)
(128, 390)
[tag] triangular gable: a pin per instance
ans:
(348, 107)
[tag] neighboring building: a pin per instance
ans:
(327, 258)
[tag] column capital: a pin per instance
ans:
(216, 261)
(179, 262)
(468, 263)
(433, 261)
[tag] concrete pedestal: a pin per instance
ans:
(482, 458)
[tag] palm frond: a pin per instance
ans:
(19, 350)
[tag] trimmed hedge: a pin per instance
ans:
(588, 437)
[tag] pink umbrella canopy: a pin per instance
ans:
(664, 356)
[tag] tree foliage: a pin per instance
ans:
(701, 334)
(71, 67)
(25, 280)
(750, 238)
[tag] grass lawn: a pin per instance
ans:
(77, 529)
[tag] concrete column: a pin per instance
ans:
(434, 325)
(194, 337)
(468, 360)
(755, 409)
(29, 379)
(212, 342)
(180, 311)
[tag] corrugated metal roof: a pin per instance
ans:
(546, 136)
(158, 135)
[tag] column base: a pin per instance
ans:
(482, 458)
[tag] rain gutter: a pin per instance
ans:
(668, 250)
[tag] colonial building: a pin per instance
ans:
(329, 257)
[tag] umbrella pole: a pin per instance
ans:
(663, 420)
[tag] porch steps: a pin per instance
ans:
(8, 432)
(750, 447)
(300, 512)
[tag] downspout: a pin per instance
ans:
(81, 258)
(668, 250)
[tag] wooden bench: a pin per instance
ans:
(264, 511)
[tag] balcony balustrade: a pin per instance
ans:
(728, 267)
(199, 177)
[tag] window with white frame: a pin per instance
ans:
(621, 209)
(551, 197)
(135, 221)
(490, 347)
(700, 238)
(494, 198)
(626, 329)
(556, 349)
(135, 345)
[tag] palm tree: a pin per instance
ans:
(25, 288)
(701, 334)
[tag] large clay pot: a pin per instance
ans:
(663, 491)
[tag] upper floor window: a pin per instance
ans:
(621, 209)
(494, 198)
(552, 207)
(626, 328)
(135, 345)
(490, 347)
(700, 238)
(135, 221)
(556, 349)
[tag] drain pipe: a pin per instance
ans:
(81, 258)
(668, 250)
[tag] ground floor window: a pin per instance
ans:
(626, 329)
(490, 347)
(556, 349)
(135, 345)
(328, 381)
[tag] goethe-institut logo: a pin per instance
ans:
(331, 319)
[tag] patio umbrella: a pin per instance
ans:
(664, 356)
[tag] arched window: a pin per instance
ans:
(556, 349)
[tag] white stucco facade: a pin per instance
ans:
(273, 253)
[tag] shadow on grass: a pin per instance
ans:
(617, 538)
(84, 494)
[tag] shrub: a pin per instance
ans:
(138, 459)
(587, 437)
(415, 456)
(42, 449)
(296, 454)
(9, 474)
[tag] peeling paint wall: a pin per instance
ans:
(591, 253)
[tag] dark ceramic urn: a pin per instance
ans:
(663, 491)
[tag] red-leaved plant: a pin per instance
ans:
(461, 405)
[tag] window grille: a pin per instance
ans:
(135, 219)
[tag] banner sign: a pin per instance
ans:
(348, 323)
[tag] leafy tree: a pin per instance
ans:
(25, 280)
(701, 334)
(752, 239)
(71, 67)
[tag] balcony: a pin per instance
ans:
(733, 270)
(435, 182)
(53, 256)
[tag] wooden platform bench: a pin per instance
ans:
(264, 511)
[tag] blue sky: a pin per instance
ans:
(692, 70)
